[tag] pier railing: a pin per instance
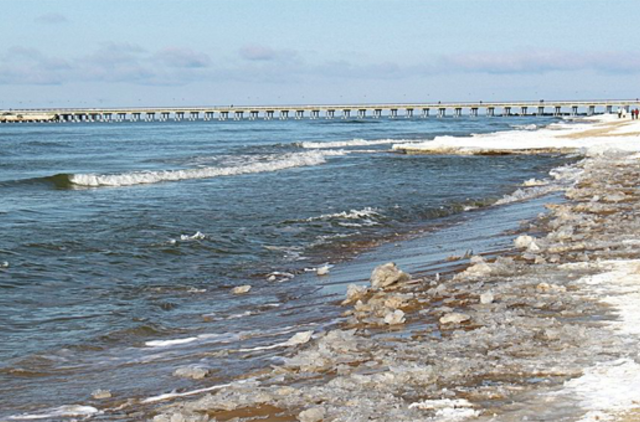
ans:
(326, 111)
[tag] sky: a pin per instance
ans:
(91, 53)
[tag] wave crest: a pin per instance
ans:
(350, 143)
(286, 161)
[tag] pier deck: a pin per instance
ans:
(326, 111)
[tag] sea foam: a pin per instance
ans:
(285, 161)
(350, 143)
(60, 412)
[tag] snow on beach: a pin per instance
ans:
(604, 133)
(548, 332)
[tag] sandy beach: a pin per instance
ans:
(549, 331)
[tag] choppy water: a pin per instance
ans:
(121, 242)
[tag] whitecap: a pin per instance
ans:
(197, 236)
(280, 162)
(59, 412)
(347, 215)
(524, 194)
(350, 143)
(222, 338)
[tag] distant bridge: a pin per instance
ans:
(344, 111)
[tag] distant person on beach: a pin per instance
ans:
(636, 113)
(619, 112)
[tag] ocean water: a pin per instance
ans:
(121, 243)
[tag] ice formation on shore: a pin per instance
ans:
(546, 333)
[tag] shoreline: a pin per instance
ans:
(392, 349)
(501, 340)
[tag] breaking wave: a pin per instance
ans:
(350, 143)
(282, 162)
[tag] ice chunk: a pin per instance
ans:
(241, 289)
(387, 275)
(394, 318)
(193, 372)
(315, 414)
(486, 298)
(454, 318)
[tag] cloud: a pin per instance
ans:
(20, 65)
(539, 61)
(174, 65)
(182, 58)
(262, 53)
(51, 19)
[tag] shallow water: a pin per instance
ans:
(123, 241)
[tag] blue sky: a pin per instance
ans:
(81, 53)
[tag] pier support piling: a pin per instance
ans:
(394, 113)
(457, 112)
(558, 111)
(409, 113)
(442, 112)
(425, 113)
(491, 111)
(474, 112)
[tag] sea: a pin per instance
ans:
(121, 243)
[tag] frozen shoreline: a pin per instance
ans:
(545, 334)
(603, 133)
(548, 334)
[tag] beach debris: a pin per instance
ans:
(486, 298)
(387, 275)
(395, 317)
(101, 394)
(241, 289)
(195, 372)
(454, 318)
(323, 270)
(315, 414)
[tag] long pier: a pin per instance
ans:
(343, 111)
